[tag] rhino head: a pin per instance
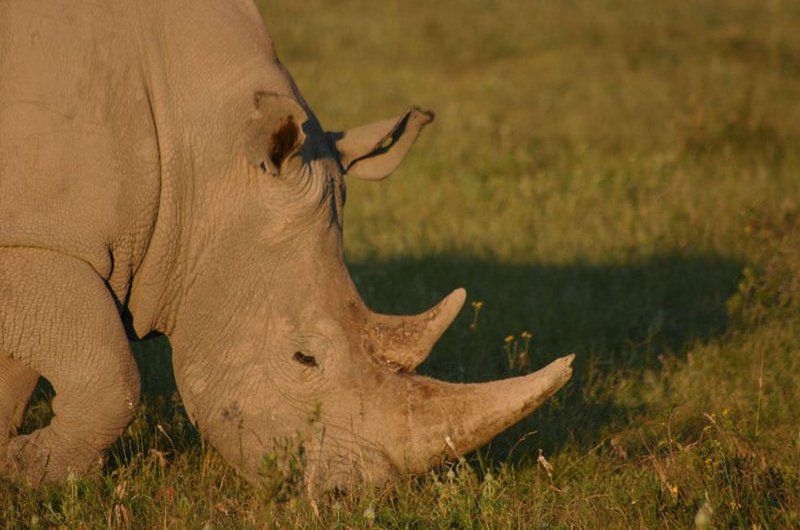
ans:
(274, 351)
(299, 362)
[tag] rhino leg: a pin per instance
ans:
(16, 385)
(57, 318)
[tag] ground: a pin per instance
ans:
(618, 179)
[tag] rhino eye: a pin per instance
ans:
(304, 359)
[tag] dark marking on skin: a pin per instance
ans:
(356, 313)
(425, 392)
(233, 414)
(369, 347)
(335, 194)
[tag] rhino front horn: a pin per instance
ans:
(448, 420)
(406, 341)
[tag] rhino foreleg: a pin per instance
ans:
(16, 385)
(58, 319)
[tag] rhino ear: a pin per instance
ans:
(373, 151)
(276, 133)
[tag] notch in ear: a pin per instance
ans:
(276, 134)
(373, 151)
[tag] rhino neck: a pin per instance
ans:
(191, 96)
(157, 281)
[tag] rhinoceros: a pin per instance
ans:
(158, 160)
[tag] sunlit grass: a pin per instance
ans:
(617, 179)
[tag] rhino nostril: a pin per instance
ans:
(302, 358)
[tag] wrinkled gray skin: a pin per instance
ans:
(156, 156)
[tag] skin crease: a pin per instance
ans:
(172, 168)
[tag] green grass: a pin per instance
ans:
(621, 179)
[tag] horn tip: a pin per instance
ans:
(458, 297)
(557, 373)
(566, 365)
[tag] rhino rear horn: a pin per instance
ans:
(276, 134)
(373, 151)
(406, 341)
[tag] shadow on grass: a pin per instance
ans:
(619, 319)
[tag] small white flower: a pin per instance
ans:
(369, 513)
(703, 517)
(545, 464)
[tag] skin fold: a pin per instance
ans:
(156, 157)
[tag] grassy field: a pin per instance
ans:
(620, 179)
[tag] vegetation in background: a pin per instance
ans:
(620, 179)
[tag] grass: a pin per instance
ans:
(616, 178)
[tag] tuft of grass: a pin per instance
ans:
(617, 178)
